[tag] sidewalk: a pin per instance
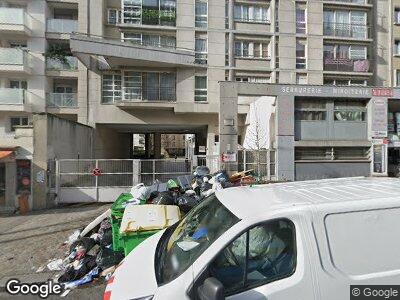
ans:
(28, 242)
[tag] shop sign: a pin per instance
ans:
(382, 92)
(228, 157)
(379, 118)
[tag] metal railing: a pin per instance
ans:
(14, 56)
(346, 30)
(361, 2)
(252, 20)
(14, 16)
(62, 100)
(151, 94)
(69, 63)
(10, 96)
(62, 25)
(347, 65)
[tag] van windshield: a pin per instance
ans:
(192, 236)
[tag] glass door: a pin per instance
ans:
(379, 159)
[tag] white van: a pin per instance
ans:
(301, 241)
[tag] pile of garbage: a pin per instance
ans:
(95, 251)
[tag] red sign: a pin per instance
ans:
(382, 92)
(96, 172)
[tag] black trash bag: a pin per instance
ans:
(86, 264)
(106, 238)
(187, 202)
(86, 242)
(152, 197)
(107, 258)
(165, 198)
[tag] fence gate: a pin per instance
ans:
(102, 180)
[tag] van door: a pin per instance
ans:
(267, 261)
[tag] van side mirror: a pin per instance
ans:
(212, 289)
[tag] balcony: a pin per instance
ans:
(347, 65)
(15, 21)
(62, 100)
(346, 30)
(70, 63)
(13, 99)
(351, 2)
(114, 53)
(165, 97)
(15, 60)
(63, 26)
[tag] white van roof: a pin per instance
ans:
(250, 201)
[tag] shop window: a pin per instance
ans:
(18, 121)
(200, 90)
(354, 111)
(310, 110)
(263, 254)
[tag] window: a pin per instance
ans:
(19, 84)
(345, 110)
(346, 23)
(345, 82)
(397, 15)
(310, 110)
(263, 254)
(201, 14)
(300, 19)
(251, 13)
(332, 153)
(301, 58)
(111, 90)
(149, 39)
(114, 16)
(246, 49)
(200, 89)
(396, 47)
(254, 79)
(348, 58)
(149, 12)
(301, 78)
(201, 50)
(18, 121)
(397, 77)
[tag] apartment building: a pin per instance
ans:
(153, 67)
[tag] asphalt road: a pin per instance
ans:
(28, 242)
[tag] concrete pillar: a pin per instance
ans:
(284, 120)
(157, 145)
(147, 145)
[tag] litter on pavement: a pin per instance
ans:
(96, 250)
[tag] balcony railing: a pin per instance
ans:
(346, 30)
(154, 94)
(14, 57)
(59, 100)
(347, 65)
(62, 25)
(70, 63)
(361, 2)
(14, 16)
(9, 96)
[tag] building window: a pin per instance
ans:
(149, 39)
(200, 88)
(18, 121)
(301, 55)
(396, 47)
(201, 50)
(201, 14)
(111, 89)
(346, 23)
(114, 16)
(345, 82)
(332, 153)
(253, 79)
(397, 77)
(301, 78)
(353, 58)
(149, 12)
(397, 15)
(19, 84)
(246, 49)
(251, 13)
(301, 24)
(354, 111)
(310, 110)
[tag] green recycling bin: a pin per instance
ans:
(117, 212)
(131, 240)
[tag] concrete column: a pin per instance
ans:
(284, 120)
(157, 145)
(147, 145)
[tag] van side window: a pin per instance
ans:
(263, 254)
